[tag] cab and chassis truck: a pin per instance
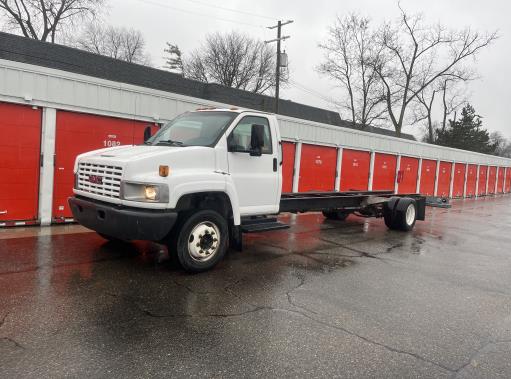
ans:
(202, 181)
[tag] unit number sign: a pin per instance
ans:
(111, 141)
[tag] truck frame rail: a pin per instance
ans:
(348, 201)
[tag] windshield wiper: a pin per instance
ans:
(170, 142)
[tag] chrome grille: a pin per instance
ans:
(109, 184)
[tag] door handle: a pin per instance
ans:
(3, 212)
(275, 164)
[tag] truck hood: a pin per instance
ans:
(141, 159)
(127, 153)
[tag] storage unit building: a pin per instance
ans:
(492, 178)
(471, 180)
(428, 177)
(508, 180)
(500, 180)
(483, 181)
(317, 168)
(288, 165)
(384, 172)
(355, 170)
(444, 179)
(408, 175)
(77, 133)
(52, 109)
(20, 143)
(459, 180)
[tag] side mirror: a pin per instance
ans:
(147, 133)
(256, 140)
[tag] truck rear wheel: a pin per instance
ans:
(201, 241)
(400, 213)
(336, 215)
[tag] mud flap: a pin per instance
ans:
(235, 238)
(421, 208)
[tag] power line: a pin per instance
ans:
(231, 9)
(311, 92)
(198, 13)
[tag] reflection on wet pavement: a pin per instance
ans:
(324, 298)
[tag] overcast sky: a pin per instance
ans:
(186, 23)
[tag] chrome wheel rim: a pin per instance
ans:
(410, 214)
(204, 241)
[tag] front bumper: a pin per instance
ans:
(122, 222)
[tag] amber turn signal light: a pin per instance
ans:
(164, 171)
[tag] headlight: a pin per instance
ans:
(149, 192)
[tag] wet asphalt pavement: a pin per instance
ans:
(323, 299)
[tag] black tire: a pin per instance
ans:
(388, 211)
(399, 215)
(212, 223)
(336, 215)
(403, 222)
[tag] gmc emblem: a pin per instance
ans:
(96, 179)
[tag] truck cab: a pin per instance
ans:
(224, 162)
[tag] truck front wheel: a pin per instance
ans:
(201, 242)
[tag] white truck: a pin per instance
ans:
(204, 179)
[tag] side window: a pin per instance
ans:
(240, 136)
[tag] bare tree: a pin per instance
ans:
(114, 42)
(452, 98)
(424, 111)
(234, 60)
(416, 55)
(173, 59)
(502, 145)
(349, 53)
(44, 19)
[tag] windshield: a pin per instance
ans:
(193, 129)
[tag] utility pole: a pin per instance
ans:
(279, 38)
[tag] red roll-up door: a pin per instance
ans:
(20, 151)
(317, 168)
(355, 170)
(428, 174)
(500, 181)
(444, 179)
(471, 180)
(492, 176)
(288, 165)
(78, 133)
(407, 175)
(459, 180)
(508, 180)
(384, 174)
(481, 187)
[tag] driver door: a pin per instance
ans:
(255, 177)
